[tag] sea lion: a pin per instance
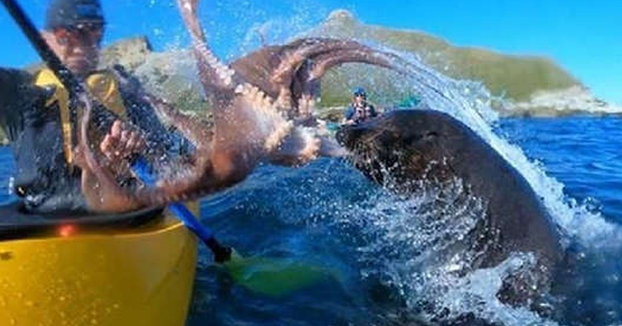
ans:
(417, 147)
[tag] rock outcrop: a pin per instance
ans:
(130, 53)
(517, 77)
(570, 101)
(528, 85)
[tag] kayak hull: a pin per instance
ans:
(136, 276)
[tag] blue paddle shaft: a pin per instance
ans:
(221, 254)
(186, 216)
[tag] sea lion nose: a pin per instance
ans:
(342, 135)
(347, 135)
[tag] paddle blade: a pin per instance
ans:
(275, 277)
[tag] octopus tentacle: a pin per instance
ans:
(325, 62)
(291, 72)
(306, 49)
(210, 68)
(247, 126)
(272, 68)
(100, 188)
(263, 103)
(322, 63)
(193, 129)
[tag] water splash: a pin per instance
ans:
(419, 245)
(469, 102)
(409, 253)
(412, 244)
(475, 292)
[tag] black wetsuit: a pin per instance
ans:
(362, 114)
(44, 180)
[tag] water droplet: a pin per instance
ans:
(11, 186)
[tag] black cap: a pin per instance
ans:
(68, 13)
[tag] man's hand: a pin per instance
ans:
(102, 193)
(121, 142)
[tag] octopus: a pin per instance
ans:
(263, 106)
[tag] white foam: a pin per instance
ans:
(469, 102)
(408, 241)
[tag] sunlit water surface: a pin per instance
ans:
(327, 214)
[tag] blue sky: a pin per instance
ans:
(585, 37)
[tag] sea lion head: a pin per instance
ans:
(402, 145)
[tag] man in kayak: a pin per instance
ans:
(50, 177)
(359, 110)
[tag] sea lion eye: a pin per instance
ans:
(430, 135)
(423, 137)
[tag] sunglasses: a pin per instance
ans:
(82, 33)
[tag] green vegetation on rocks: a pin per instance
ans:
(515, 77)
(130, 53)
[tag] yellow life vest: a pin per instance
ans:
(105, 88)
(102, 85)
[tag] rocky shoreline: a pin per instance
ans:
(575, 100)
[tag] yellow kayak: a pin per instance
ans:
(135, 270)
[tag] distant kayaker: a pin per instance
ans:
(49, 178)
(359, 110)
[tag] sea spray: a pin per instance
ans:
(393, 244)
(469, 102)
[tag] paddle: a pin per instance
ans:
(269, 277)
(221, 254)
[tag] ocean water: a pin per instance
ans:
(382, 254)
(584, 153)
(326, 214)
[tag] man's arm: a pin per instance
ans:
(348, 115)
(142, 114)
